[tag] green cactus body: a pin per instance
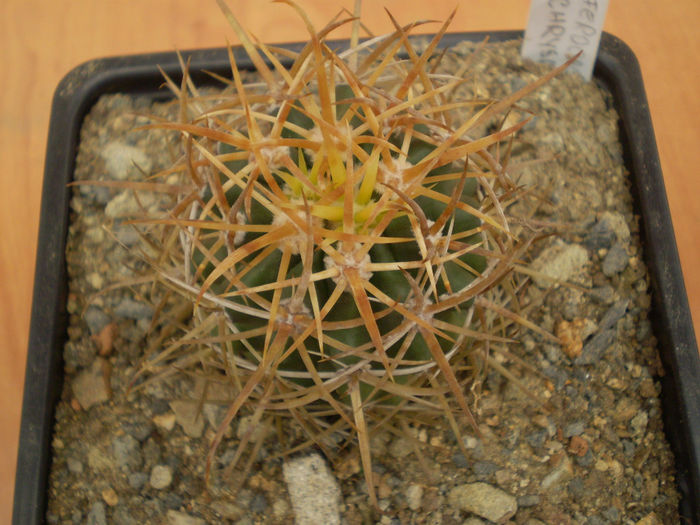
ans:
(403, 285)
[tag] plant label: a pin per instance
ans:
(558, 29)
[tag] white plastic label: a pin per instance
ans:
(558, 29)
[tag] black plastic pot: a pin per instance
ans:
(616, 67)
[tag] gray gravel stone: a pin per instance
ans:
(595, 347)
(613, 314)
(140, 428)
(483, 500)
(574, 428)
(122, 516)
(259, 503)
(313, 490)
(537, 438)
(615, 260)
(137, 480)
(529, 500)
(96, 319)
(131, 309)
(127, 452)
(459, 460)
(483, 469)
(97, 514)
(601, 235)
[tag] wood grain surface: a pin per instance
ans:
(41, 40)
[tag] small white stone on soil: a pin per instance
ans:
(90, 386)
(559, 262)
(165, 421)
(483, 500)
(175, 517)
(121, 160)
(400, 447)
(313, 490)
(161, 477)
(414, 496)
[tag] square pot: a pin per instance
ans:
(616, 67)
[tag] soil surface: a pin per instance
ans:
(595, 454)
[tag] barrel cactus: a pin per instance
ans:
(343, 241)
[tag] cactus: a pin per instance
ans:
(344, 243)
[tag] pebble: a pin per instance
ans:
(613, 314)
(161, 477)
(559, 475)
(470, 442)
(414, 496)
(99, 461)
(617, 223)
(615, 260)
(97, 514)
(258, 504)
(165, 421)
(400, 447)
(559, 262)
(595, 346)
(139, 428)
(483, 500)
(90, 386)
(280, 508)
(604, 294)
(125, 205)
(96, 319)
(137, 480)
(638, 423)
(227, 509)
(123, 161)
(537, 438)
(529, 500)
(188, 417)
(483, 469)
(601, 235)
(577, 489)
(74, 465)
(110, 497)
(127, 452)
(573, 429)
(313, 490)
(459, 460)
(131, 309)
(175, 517)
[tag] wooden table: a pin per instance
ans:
(41, 40)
